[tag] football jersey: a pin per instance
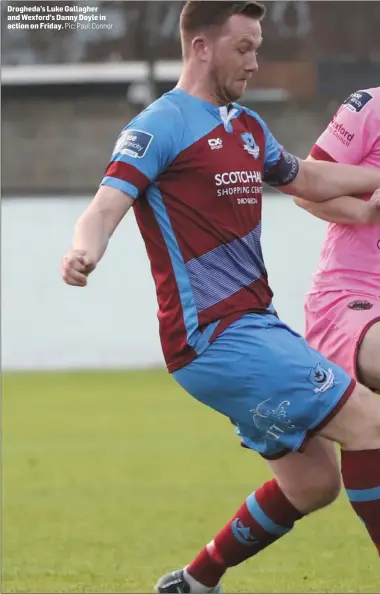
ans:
(350, 257)
(196, 172)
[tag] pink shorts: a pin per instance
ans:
(336, 323)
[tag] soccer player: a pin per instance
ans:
(343, 304)
(192, 166)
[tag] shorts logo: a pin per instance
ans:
(272, 420)
(357, 101)
(250, 145)
(321, 378)
(134, 143)
(242, 533)
(360, 305)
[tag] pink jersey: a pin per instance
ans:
(350, 257)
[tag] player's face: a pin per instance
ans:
(234, 57)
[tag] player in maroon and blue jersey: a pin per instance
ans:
(192, 166)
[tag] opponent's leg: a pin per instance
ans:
(368, 360)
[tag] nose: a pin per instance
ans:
(252, 64)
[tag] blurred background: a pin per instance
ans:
(111, 474)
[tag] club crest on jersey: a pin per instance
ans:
(250, 145)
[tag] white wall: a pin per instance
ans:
(112, 323)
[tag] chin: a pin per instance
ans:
(232, 95)
(237, 92)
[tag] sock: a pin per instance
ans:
(264, 517)
(361, 478)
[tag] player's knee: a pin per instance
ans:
(323, 490)
(318, 491)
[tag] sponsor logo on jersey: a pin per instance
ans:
(240, 184)
(236, 177)
(360, 305)
(340, 132)
(215, 143)
(358, 100)
(134, 143)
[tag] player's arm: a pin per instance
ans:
(92, 233)
(96, 225)
(143, 150)
(317, 181)
(313, 180)
(344, 210)
(349, 137)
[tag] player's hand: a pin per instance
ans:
(372, 214)
(75, 268)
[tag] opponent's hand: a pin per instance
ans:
(372, 213)
(75, 268)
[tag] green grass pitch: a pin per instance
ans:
(112, 479)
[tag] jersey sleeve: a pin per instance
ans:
(347, 137)
(143, 150)
(280, 167)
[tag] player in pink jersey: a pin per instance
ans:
(343, 304)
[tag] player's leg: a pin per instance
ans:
(310, 480)
(368, 360)
(263, 357)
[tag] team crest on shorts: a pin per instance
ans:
(360, 305)
(321, 378)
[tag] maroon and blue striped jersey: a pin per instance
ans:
(196, 173)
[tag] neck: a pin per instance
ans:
(196, 84)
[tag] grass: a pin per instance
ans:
(112, 479)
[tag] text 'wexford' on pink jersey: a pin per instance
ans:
(350, 257)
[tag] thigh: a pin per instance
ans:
(266, 378)
(369, 355)
(309, 479)
(356, 426)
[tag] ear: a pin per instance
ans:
(200, 47)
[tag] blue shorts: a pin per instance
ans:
(274, 387)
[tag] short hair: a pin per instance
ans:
(198, 15)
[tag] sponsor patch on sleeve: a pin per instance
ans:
(134, 143)
(358, 100)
